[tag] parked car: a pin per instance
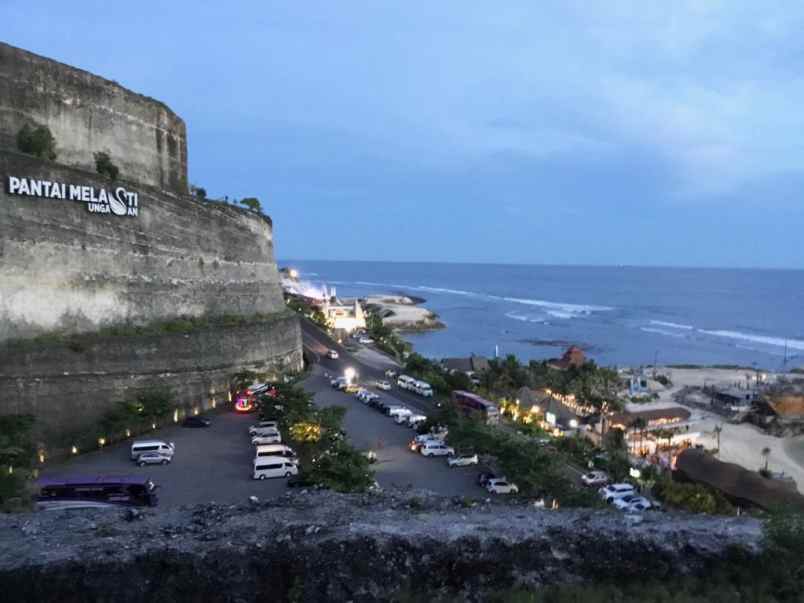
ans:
(436, 448)
(391, 374)
(595, 478)
(268, 438)
(396, 411)
(383, 385)
(338, 382)
(614, 491)
(625, 503)
(273, 466)
(195, 421)
(366, 340)
(154, 458)
(501, 486)
(462, 460)
(333, 354)
(420, 440)
(261, 425)
(350, 388)
(371, 456)
(276, 450)
(415, 420)
(142, 446)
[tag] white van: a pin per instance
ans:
(274, 466)
(400, 415)
(423, 389)
(276, 450)
(140, 446)
(405, 382)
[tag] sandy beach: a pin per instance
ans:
(742, 443)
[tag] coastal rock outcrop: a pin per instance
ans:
(320, 546)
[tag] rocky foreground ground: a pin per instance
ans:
(321, 546)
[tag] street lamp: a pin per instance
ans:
(349, 374)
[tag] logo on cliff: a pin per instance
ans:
(117, 202)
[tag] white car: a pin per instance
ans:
(501, 486)
(415, 420)
(366, 340)
(383, 385)
(462, 460)
(436, 448)
(153, 458)
(268, 438)
(332, 354)
(614, 491)
(632, 502)
(263, 425)
(595, 478)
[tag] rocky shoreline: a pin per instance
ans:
(403, 313)
(321, 546)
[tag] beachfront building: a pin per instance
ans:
(344, 317)
(780, 412)
(471, 366)
(573, 357)
(648, 431)
(554, 412)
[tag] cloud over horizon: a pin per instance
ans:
(568, 132)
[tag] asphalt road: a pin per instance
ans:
(214, 464)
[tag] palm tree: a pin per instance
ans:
(766, 454)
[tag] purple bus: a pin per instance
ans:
(476, 407)
(81, 492)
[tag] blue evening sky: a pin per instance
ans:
(569, 132)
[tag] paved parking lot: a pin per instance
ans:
(211, 463)
(396, 465)
(215, 463)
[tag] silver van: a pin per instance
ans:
(140, 446)
(276, 450)
(274, 466)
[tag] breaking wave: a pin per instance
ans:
(662, 332)
(525, 318)
(793, 344)
(672, 325)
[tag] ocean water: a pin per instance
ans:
(620, 315)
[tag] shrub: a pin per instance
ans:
(105, 167)
(37, 141)
(252, 203)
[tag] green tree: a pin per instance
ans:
(37, 141)
(252, 203)
(105, 166)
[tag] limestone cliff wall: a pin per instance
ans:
(87, 114)
(69, 386)
(63, 267)
(323, 547)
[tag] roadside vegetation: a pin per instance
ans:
(386, 339)
(81, 342)
(537, 467)
(326, 458)
(37, 141)
(105, 166)
(17, 453)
